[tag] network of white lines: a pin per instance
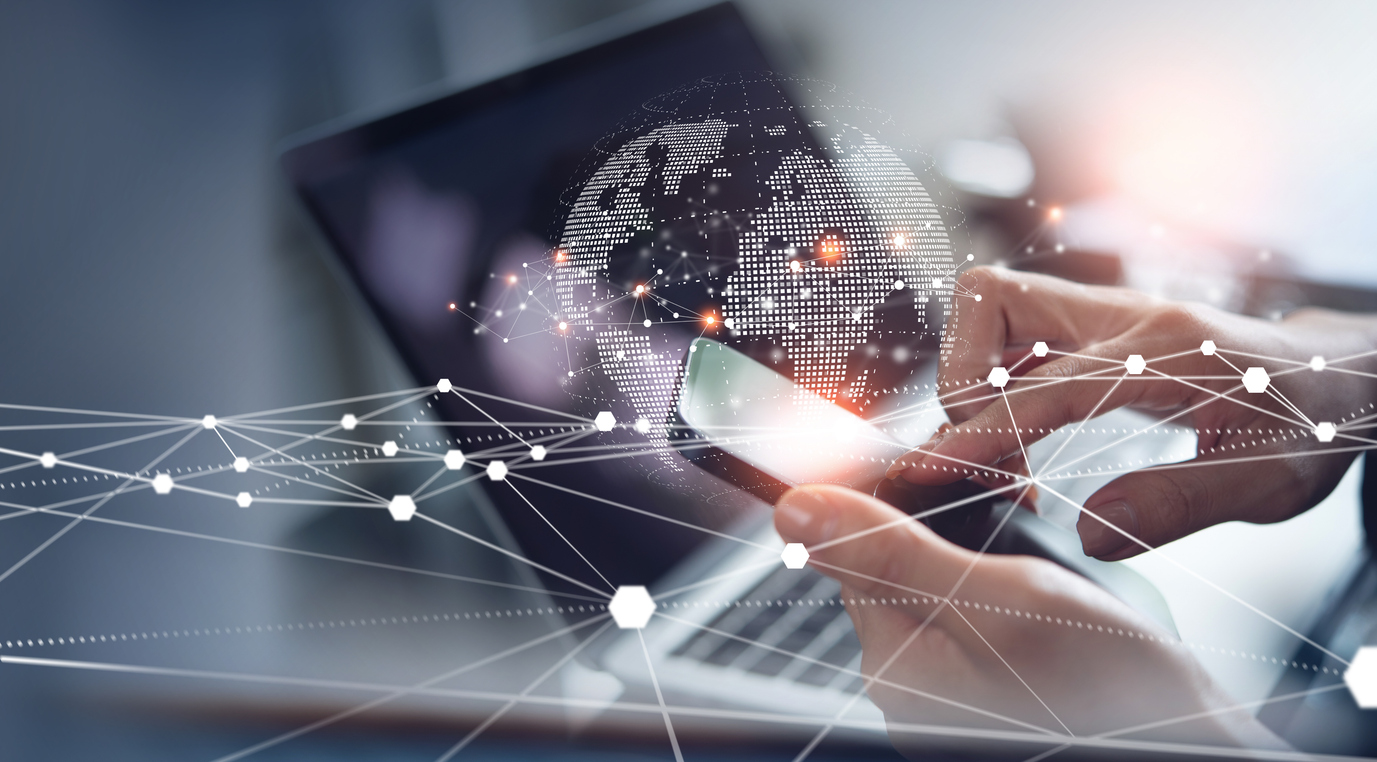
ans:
(293, 450)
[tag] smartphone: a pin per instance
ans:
(743, 422)
(756, 429)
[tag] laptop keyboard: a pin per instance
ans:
(793, 611)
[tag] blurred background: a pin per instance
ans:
(152, 258)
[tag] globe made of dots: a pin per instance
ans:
(728, 212)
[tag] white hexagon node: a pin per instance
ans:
(241, 464)
(1040, 349)
(454, 460)
(244, 500)
(162, 484)
(999, 378)
(605, 421)
(1207, 348)
(47, 460)
(402, 508)
(497, 470)
(631, 607)
(1325, 431)
(443, 386)
(1135, 365)
(389, 448)
(1255, 380)
(209, 422)
(1317, 363)
(795, 556)
(349, 421)
(539, 452)
(1361, 677)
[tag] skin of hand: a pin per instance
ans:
(1023, 638)
(1241, 472)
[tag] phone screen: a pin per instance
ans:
(789, 434)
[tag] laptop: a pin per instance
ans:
(429, 208)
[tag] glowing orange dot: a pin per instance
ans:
(453, 306)
(511, 278)
(560, 255)
(563, 325)
(899, 241)
(1054, 214)
(640, 289)
(711, 320)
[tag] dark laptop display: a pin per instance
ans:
(428, 207)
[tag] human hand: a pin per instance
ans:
(983, 644)
(1257, 460)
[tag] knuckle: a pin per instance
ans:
(1183, 322)
(1183, 503)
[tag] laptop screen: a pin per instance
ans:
(430, 209)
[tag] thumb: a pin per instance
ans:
(881, 552)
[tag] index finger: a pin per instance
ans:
(998, 310)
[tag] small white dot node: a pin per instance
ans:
(605, 421)
(402, 508)
(1135, 365)
(244, 500)
(241, 464)
(571, 374)
(978, 297)
(1361, 677)
(208, 422)
(898, 285)
(454, 460)
(999, 378)
(1207, 348)
(539, 452)
(47, 460)
(795, 556)
(389, 448)
(936, 282)
(646, 322)
(970, 257)
(631, 607)
(443, 386)
(643, 425)
(497, 470)
(1255, 380)
(1040, 349)
(349, 422)
(162, 484)
(1317, 363)
(1325, 431)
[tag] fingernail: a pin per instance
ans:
(803, 515)
(915, 456)
(1100, 540)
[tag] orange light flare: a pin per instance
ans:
(563, 326)
(561, 255)
(640, 289)
(511, 280)
(453, 307)
(830, 249)
(900, 241)
(1054, 214)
